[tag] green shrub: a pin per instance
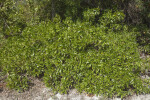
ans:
(143, 38)
(99, 59)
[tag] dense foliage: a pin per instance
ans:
(17, 14)
(91, 45)
(99, 59)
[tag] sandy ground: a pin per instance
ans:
(38, 91)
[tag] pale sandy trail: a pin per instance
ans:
(38, 91)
